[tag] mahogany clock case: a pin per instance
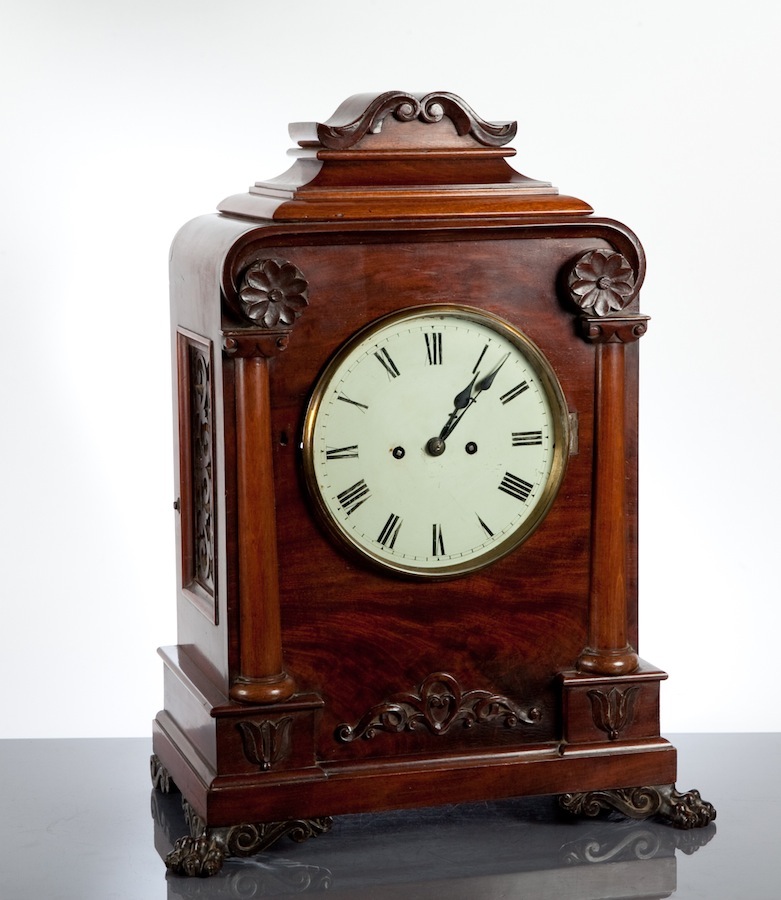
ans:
(377, 691)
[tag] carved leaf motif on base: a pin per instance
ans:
(438, 706)
(266, 743)
(612, 710)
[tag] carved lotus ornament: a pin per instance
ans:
(273, 292)
(601, 281)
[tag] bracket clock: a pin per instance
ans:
(406, 394)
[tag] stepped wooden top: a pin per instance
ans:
(400, 156)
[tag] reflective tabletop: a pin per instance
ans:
(80, 820)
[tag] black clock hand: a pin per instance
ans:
(487, 380)
(460, 402)
(466, 398)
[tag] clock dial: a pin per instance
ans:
(435, 441)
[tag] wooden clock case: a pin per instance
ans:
(306, 683)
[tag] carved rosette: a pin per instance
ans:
(272, 293)
(266, 743)
(438, 706)
(601, 282)
(267, 298)
(203, 852)
(681, 810)
(612, 710)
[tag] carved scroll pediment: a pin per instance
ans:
(365, 115)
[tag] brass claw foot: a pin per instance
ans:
(204, 851)
(681, 810)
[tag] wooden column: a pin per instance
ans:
(608, 651)
(262, 677)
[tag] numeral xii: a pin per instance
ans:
(434, 347)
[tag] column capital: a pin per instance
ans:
(616, 329)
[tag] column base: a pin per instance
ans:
(608, 662)
(273, 689)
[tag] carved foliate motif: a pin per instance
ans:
(439, 705)
(161, 779)
(266, 743)
(202, 853)
(612, 710)
(201, 431)
(682, 810)
(272, 293)
(601, 282)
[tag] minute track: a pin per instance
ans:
(433, 507)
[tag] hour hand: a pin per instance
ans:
(470, 393)
(460, 402)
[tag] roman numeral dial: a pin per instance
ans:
(353, 497)
(350, 452)
(433, 442)
(434, 348)
(515, 486)
(386, 361)
(390, 531)
(527, 438)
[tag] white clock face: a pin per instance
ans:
(435, 441)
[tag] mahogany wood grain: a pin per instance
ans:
(608, 652)
(323, 684)
(262, 677)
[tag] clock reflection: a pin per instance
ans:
(511, 848)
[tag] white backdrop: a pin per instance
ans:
(122, 120)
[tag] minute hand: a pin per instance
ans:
(467, 397)
(487, 380)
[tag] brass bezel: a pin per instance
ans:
(561, 426)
